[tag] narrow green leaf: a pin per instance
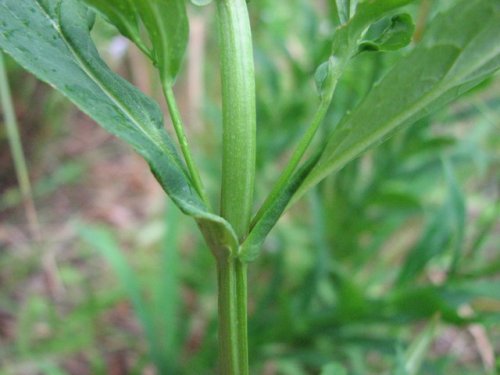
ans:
(344, 10)
(411, 361)
(168, 28)
(397, 34)
(165, 21)
(167, 292)
(452, 58)
(467, 291)
(457, 217)
(123, 15)
(445, 231)
(485, 227)
(405, 304)
(345, 44)
(334, 13)
(103, 241)
(62, 54)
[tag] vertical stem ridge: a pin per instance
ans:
(241, 303)
(238, 111)
(233, 340)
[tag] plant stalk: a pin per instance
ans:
(183, 142)
(238, 112)
(233, 336)
(238, 174)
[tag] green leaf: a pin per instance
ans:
(123, 15)
(345, 45)
(445, 231)
(348, 36)
(165, 21)
(410, 362)
(405, 304)
(397, 34)
(62, 54)
(452, 58)
(369, 11)
(326, 77)
(168, 304)
(159, 314)
(457, 217)
(103, 242)
(467, 291)
(168, 28)
(343, 10)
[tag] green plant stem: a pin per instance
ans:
(17, 152)
(238, 174)
(238, 112)
(296, 157)
(175, 115)
(233, 336)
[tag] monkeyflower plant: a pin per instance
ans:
(52, 40)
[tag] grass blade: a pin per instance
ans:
(103, 241)
(167, 292)
(411, 361)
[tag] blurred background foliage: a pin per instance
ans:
(389, 267)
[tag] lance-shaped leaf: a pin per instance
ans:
(345, 45)
(51, 39)
(123, 15)
(459, 51)
(168, 28)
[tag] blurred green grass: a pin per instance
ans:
(392, 261)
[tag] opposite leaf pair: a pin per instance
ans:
(459, 50)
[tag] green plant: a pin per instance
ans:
(451, 59)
